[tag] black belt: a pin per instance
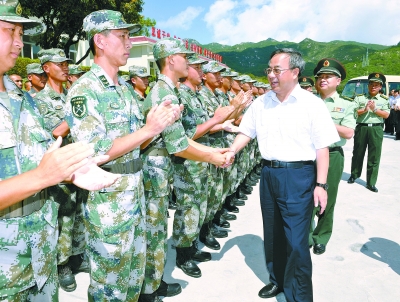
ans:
(178, 159)
(130, 167)
(333, 149)
(27, 206)
(286, 164)
(370, 125)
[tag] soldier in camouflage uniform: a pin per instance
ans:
(28, 217)
(37, 77)
(100, 109)
(51, 102)
(170, 55)
(139, 78)
(190, 177)
(74, 73)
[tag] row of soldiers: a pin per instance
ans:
(178, 136)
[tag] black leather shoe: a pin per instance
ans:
(217, 233)
(241, 195)
(168, 289)
(319, 248)
(231, 208)
(201, 256)
(221, 222)
(79, 264)
(372, 188)
(269, 291)
(149, 297)
(65, 278)
(351, 180)
(210, 242)
(185, 263)
(228, 216)
(239, 202)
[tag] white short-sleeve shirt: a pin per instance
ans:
(291, 130)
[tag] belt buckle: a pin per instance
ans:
(274, 163)
(369, 125)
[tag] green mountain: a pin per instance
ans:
(252, 58)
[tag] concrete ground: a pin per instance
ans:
(362, 261)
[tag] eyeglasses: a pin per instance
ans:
(276, 71)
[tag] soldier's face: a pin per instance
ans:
(141, 84)
(17, 80)
(247, 86)
(213, 79)
(10, 44)
(254, 90)
(180, 64)
(261, 91)
(227, 82)
(195, 74)
(236, 85)
(38, 80)
(116, 46)
(327, 82)
(374, 87)
(57, 71)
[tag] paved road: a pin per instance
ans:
(362, 261)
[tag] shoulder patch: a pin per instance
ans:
(43, 108)
(79, 106)
(384, 96)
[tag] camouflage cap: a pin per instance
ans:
(35, 68)
(306, 81)
(229, 73)
(101, 20)
(238, 78)
(377, 77)
(213, 66)
(126, 78)
(167, 47)
(55, 55)
(11, 10)
(195, 59)
(75, 69)
(328, 65)
(247, 79)
(138, 71)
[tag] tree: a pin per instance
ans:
(63, 18)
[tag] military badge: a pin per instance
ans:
(18, 9)
(43, 109)
(304, 79)
(58, 107)
(61, 53)
(326, 63)
(79, 106)
(103, 80)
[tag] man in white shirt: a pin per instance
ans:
(294, 129)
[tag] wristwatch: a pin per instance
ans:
(324, 186)
(375, 110)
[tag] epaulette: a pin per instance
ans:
(384, 96)
(347, 98)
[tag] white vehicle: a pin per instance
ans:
(359, 85)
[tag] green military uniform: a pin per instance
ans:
(28, 229)
(51, 106)
(190, 177)
(342, 113)
(369, 132)
(98, 111)
(217, 140)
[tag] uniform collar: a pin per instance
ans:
(103, 77)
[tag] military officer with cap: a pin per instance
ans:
(28, 215)
(100, 109)
(37, 77)
(306, 83)
(139, 78)
(372, 108)
(329, 73)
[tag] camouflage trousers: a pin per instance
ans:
(116, 244)
(156, 252)
(230, 176)
(215, 189)
(190, 186)
(28, 265)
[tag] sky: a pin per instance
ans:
(232, 22)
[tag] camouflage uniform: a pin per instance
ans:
(158, 173)
(217, 140)
(190, 177)
(34, 68)
(51, 106)
(99, 112)
(28, 229)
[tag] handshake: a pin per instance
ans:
(222, 157)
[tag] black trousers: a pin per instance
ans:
(286, 197)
